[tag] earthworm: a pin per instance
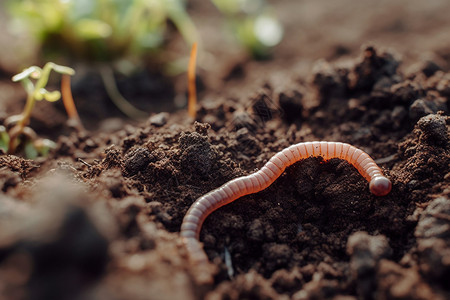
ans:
(379, 185)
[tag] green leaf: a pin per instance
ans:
(30, 150)
(28, 85)
(52, 96)
(33, 72)
(39, 95)
(92, 29)
(63, 69)
(47, 95)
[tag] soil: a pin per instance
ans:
(99, 218)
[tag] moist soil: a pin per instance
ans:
(99, 218)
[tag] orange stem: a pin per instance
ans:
(192, 100)
(67, 98)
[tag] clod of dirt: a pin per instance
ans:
(17, 164)
(276, 256)
(443, 85)
(426, 155)
(434, 130)
(127, 210)
(66, 146)
(243, 119)
(328, 81)
(366, 252)
(260, 231)
(263, 109)
(246, 143)
(8, 179)
(405, 92)
(430, 63)
(434, 260)
(429, 67)
(395, 282)
(113, 181)
(433, 234)
(246, 286)
(421, 108)
(112, 158)
(202, 128)
(434, 221)
(290, 102)
(137, 160)
(283, 280)
(160, 167)
(55, 247)
(197, 156)
(318, 288)
(374, 65)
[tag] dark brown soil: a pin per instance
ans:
(100, 217)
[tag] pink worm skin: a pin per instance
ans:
(192, 223)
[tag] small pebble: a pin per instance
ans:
(159, 120)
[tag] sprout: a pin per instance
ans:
(103, 32)
(33, 72)
(36, 91)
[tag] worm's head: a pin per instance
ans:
(380, 186)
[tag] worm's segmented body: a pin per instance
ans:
(253, 183)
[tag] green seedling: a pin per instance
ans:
(105, 33)
(119, 35)
(34, 80)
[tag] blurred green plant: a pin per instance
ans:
(121, 33)
(253, 23)
(34, 80)
(107, 30)
(103, 30)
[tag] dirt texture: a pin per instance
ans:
(99, 218)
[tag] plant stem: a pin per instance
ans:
(68, 102)
(43, 79)
(18, 128)
(31, 100)
(192, 101)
